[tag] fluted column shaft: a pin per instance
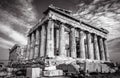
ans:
(56, 43)
(32, 46)
(101, 49)
(82, 45)
(96, 48)
(62, 39)
(28, 48)
(43, 41)
(105, 50)
(50, 38)
(73, 43)
(89, 46)
(36, 44)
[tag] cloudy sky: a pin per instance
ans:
(18, 16)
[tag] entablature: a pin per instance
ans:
(75, 24)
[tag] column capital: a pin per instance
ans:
(104, 39)
(99, 36)
(93, 34)
(87, 32)
(50, 19)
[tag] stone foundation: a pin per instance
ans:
(53, 73)
(33, 72)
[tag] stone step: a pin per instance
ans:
(53, 72)
(56, 77)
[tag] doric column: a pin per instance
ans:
(50, 38)
(82, 45)
(32, 46)
(62, 39)
(28, 48)
(29, 57)
(56, 42)
(105, 50)
(73, 43)
(101, 48)
(96, 47)
(89, 46)
(36, 44)
(43, 41)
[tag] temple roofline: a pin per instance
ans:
(58, 10)
(66, 13)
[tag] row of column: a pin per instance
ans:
(36, 43)
(41, 43)
(96, 45)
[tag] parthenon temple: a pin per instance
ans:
(60, 34)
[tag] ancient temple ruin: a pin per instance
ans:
(60, 35)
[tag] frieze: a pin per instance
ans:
(80, 25)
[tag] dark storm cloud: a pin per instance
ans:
(41, 5)
(17, 16)
(21, 9)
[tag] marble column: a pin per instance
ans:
(28, 48)
(50, 39)
(56, 43)
(82, 45)
(96, 47)
(62, 39)
(73, 43)
(101, 49)
(105, 50)
(32, 46)
(89, 46)
(43, 41)
(36, 44)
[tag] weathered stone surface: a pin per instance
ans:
(93, 67)
(73, 43)
(53, 73)
(105, 50)
(33, 72)
(56, 43)
(50, 68)
(101, 49)
(62, 44)
(67, 43)
(105, 68)
(63, 19)
(96, 48)
(82, 46)
(36, 44)
(28, 48)
(89, 45)
(43, 41)
(32, 47)
(50, 39)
